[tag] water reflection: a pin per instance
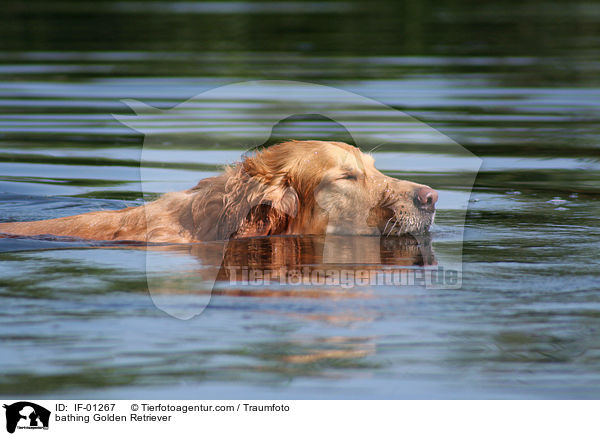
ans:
(239, 261)
(280, 274)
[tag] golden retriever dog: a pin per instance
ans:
(292, 188)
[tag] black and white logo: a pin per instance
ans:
(26, 415)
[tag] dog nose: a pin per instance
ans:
(426, 197)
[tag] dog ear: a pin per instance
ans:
(253, 207)
(271, 215)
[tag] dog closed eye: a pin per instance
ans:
(349, 176)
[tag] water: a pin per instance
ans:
(515, 83)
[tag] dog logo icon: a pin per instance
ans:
(26, 415)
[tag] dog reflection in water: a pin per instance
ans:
(302, 260)
(327, 263)
(266, 259)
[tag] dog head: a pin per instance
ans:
(317, 187)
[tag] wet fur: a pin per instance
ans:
(275, 191)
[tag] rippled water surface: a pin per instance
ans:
(515, 84)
